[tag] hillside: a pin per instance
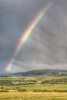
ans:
(44, 72)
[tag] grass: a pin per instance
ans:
(42, 87)
(25, 83)
(33, 96)
(39, 87)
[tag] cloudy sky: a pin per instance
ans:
(45, 48)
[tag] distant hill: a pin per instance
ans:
(43, 72)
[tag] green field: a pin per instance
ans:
(33, 87)
(34, 83)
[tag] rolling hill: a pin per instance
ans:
(44, 72)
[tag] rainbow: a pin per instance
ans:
(29, 30)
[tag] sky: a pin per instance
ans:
(46, 47)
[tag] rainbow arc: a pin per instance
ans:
(28, 32)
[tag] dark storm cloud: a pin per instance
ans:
(15, 15)
(47, 44)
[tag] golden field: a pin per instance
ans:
(33, 96)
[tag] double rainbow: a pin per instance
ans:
(28, 31)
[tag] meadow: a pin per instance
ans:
(33, 87)
(33, 96)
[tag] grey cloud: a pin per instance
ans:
(15, 15)
(46, 45)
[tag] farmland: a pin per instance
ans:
(33, 96)
(30, 87)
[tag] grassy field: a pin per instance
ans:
(33, 96)
(39, 82)
(33, 87)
